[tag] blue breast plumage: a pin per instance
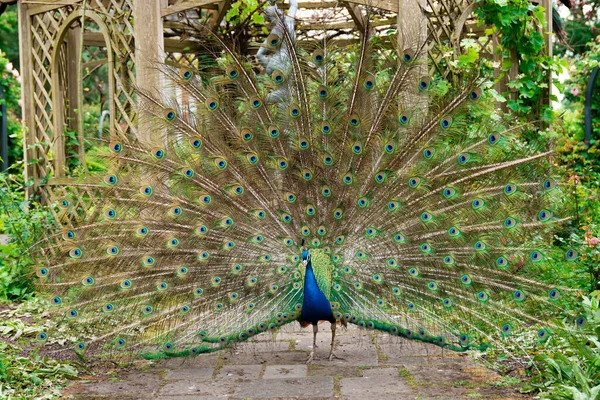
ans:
(315, 305)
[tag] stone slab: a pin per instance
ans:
(377, 383)
(199, 389)
(285, 371)
(138, 385)
(316, 387)
(239, 372)
(189, 374)
(350, 355)
(334, 370)
(274, 358)
(200, 361)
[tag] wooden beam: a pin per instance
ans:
(388, 5)
(38, 7)
(184, 6)
(357, 15)
(218, 15)
(342, 25)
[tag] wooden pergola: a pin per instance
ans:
(64, 41)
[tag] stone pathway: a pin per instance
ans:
(375, 366)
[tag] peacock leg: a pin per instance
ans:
(312, 356)
(331, 354)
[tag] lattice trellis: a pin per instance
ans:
(50, 30)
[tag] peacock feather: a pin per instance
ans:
(327, 183)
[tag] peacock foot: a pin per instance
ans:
(332, 356)
(311, 357)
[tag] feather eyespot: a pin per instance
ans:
(325, 128)
(111, 180)
(278, 76)
(414, 182)
(510, 189)
(196, 143)
(159, 154)
(232, 72)
(571, 255)
(549, 184)
(424, 83)
(363, 202)
(116, 147)
(212, 104)
(369, 83)
(408, 55)
(169, 114)
(318, 56)
(273, 40)
(390, 147)
(273, 132)
(322, 92)
(477, 204)
(186, 74)
(446, 122)
(475, 94)
(325, 191)
(502, 262)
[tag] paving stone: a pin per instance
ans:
(205, 389)
(324, 341)
(266, 346)
(441, 371)
(139, 385)
(333, 370)
(316, 387)
(397, 348)
(200, 361)
(377, 383)
(285, 371)
(275, 358)
(445, 391)
(237, 372)
(350, 355)
(189, 374)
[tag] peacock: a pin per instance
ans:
(311, 182)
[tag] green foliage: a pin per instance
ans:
(520, 24)
(26, 373)
(10, 83)
(572, 369)
(246, 12)
(22, 222)
(9, 34)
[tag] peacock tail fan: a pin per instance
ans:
(423, 219)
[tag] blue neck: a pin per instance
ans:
(315, 306)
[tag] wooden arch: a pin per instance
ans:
(58, 102)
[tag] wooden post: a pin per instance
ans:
(548, 36)
(73, 56)
(74, 89)
(27, 95)
(412, 34)
(149, 49)
(412, 24)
